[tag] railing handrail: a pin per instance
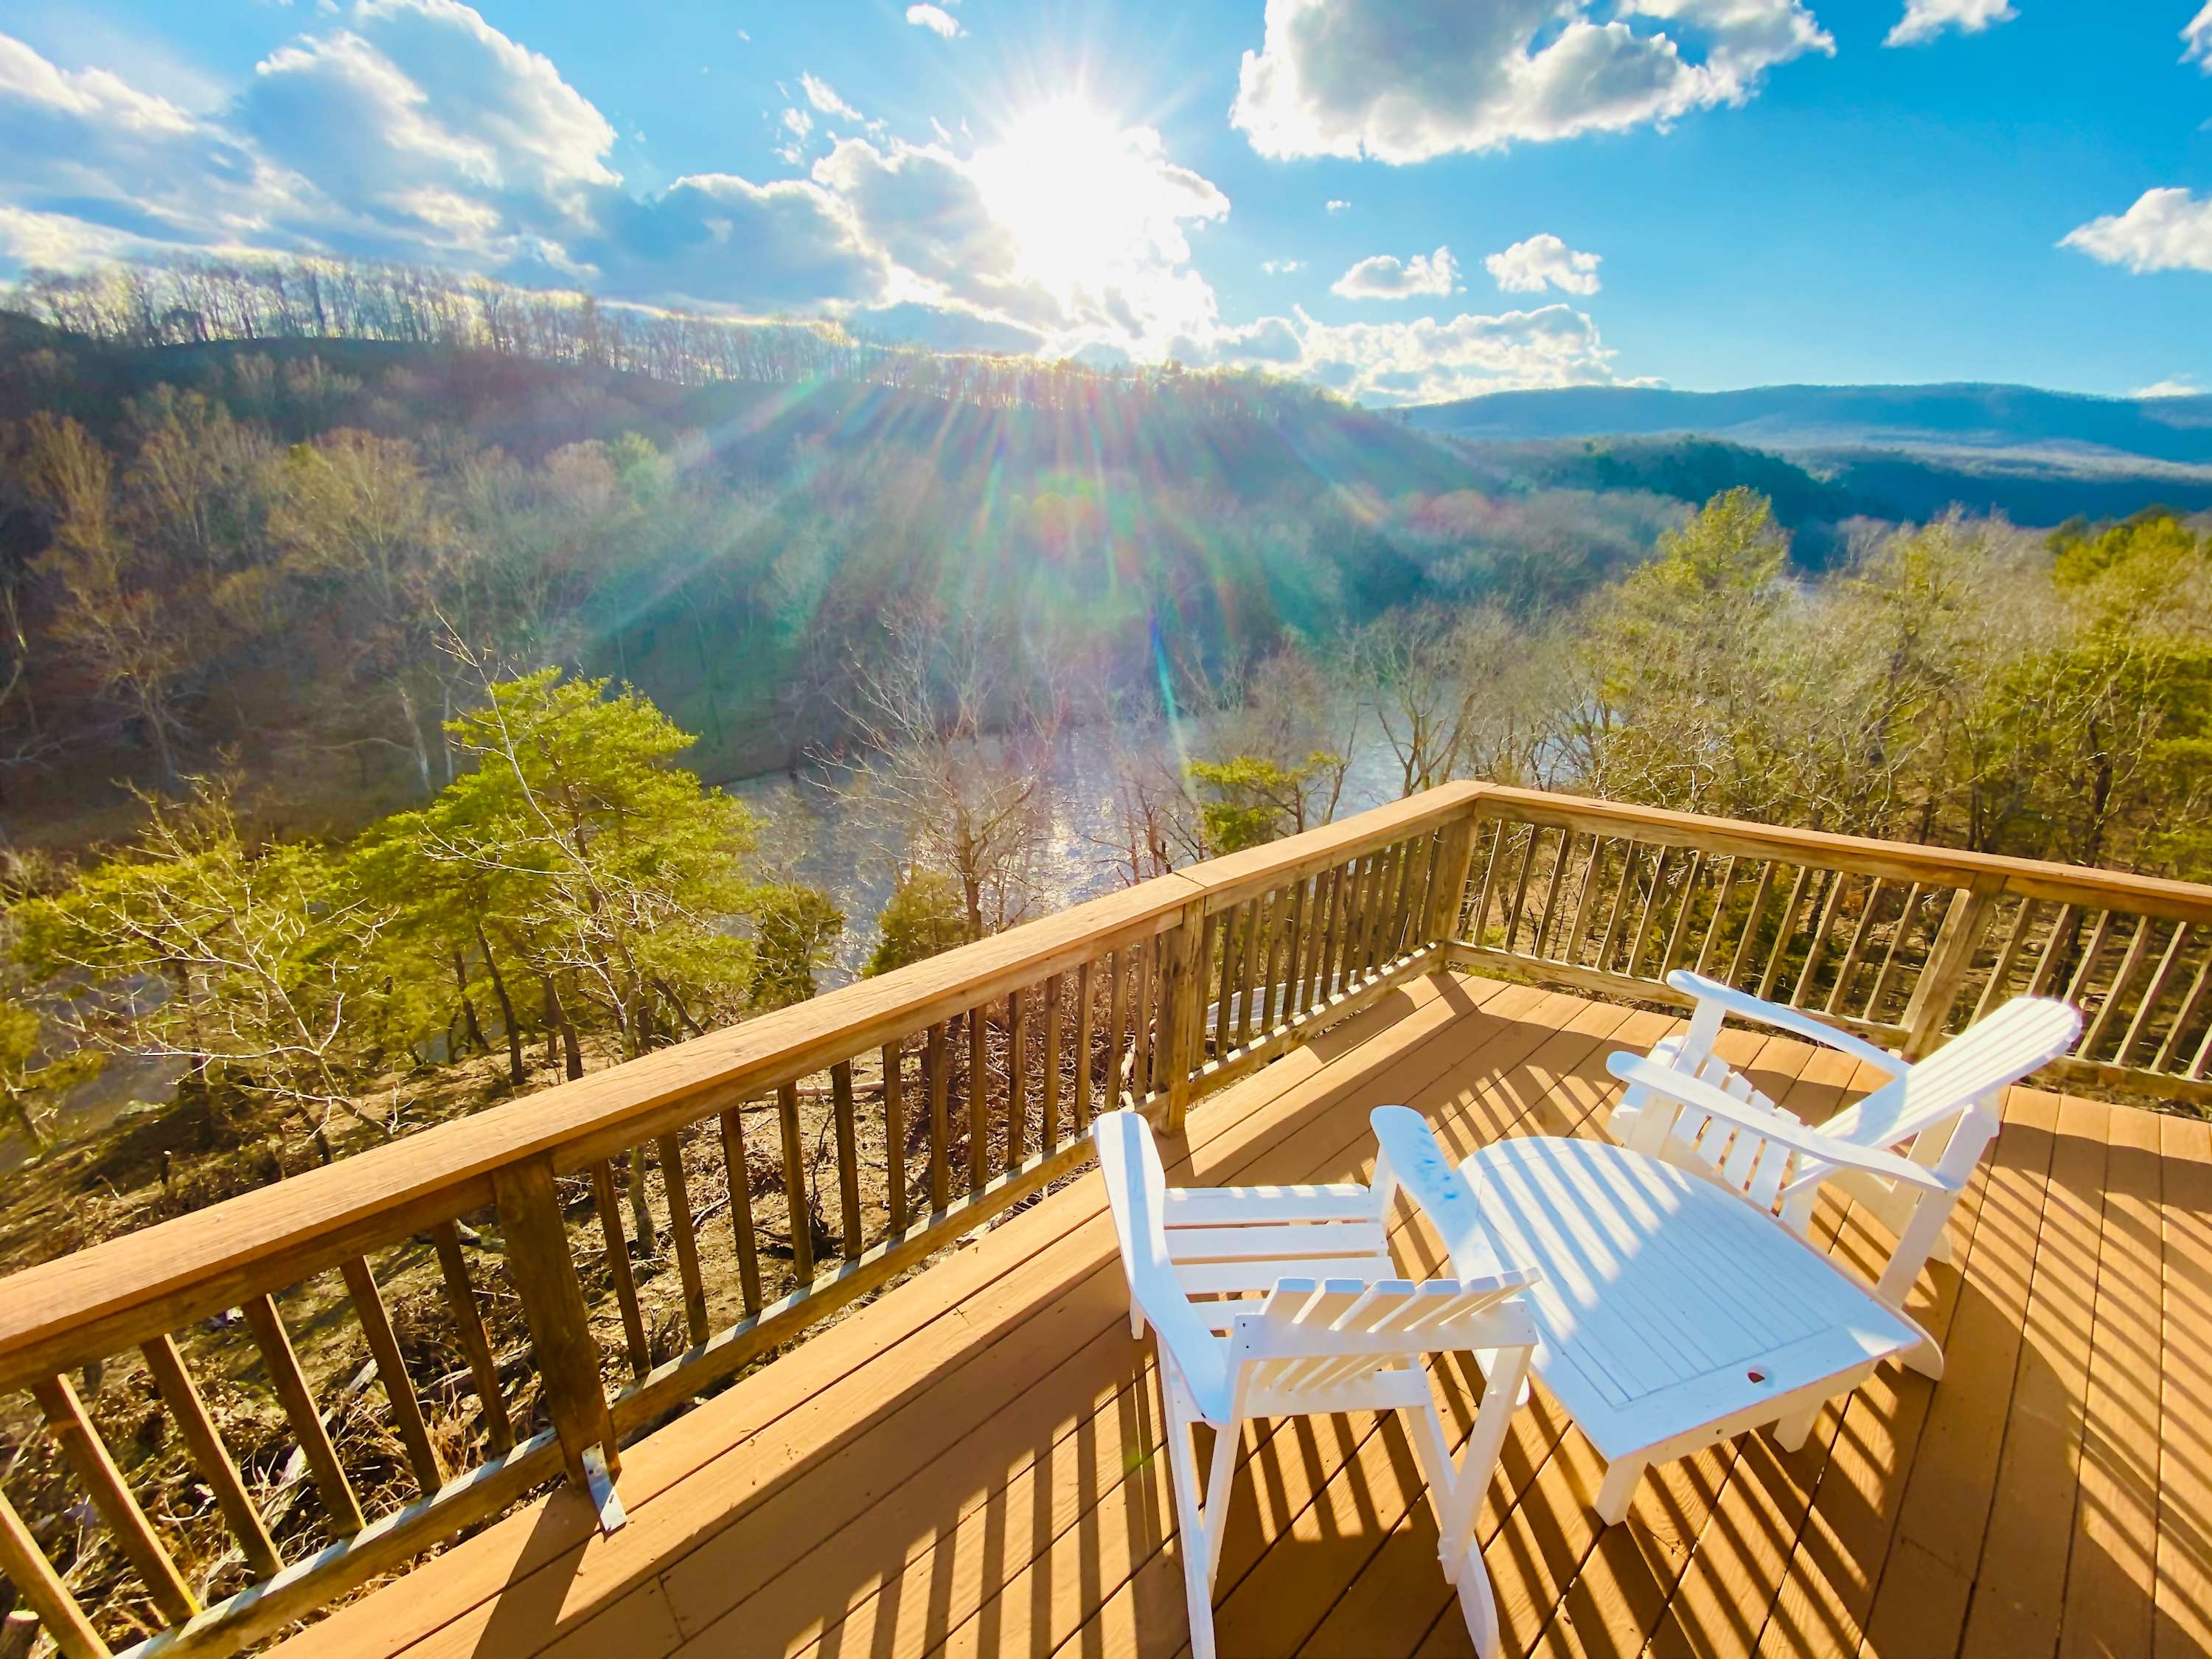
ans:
(1991, 873)
(318, 1218)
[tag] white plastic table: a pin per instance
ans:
(1671, 1313)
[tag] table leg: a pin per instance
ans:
(1617, 1489)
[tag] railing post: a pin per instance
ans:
(1454, 859)
(1182, 985)
(545, 1277)
(1957, 939)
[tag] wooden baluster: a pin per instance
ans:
(1594, 868)
(469, 1327)
(1018, 1069)
(1086, 1013)
(1681, 933)
(1718, 915)
(732, 1125)
(25, 1566)
(1478, 923)
(1776, 957)
(2054, 947)
(1310, 904)
(392, 1371)
(568, 1355)
(937, 1065)
(609, 1206)
(1117, 1018)
(1855, 952)
(847, 1130)
(895, 1136)
(1357, 874)
(1248, 968)
(1052, 1016)
(1282, 994)
(1948, 961)
(341, 1508)
(681, 1228)
(2160, 982)
(1389, 877)
(1342, 889)
(2132, 962)
(1455, 854)
(2091, 954)
(1890, 956)
(1412, 893)
(2007, 957)
(1376, 876)
(1521, 887)
(1140, 1020)
(979, 1099)
(1568, 842)
(1182, 1006)
(210, 1457)
(88, 1454)
(1314, 985)
(2172, 1043)
(797, 1211)
(2203, 1053)
(1630, 863)
(1650, 910)
(1746, 942)
(1818, 948)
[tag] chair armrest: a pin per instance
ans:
(1696, 1093)
(1744, 1006)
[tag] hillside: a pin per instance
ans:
(1896, 451)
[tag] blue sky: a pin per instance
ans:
(1708, 193)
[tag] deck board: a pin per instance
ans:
(972, 1464)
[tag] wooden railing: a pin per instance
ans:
(530, 1288)
(1905, 944)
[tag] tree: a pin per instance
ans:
(795, 933)
(957, 749)
(29, 1075)
(1252, 801)
(925, 916)
(251, 961)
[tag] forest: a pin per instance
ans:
(371, 649)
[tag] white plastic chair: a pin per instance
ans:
(1311, 1321)
(1904, 1153)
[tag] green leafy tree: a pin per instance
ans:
(795, 933)
(29, 1076)
(1249, 800)
(924, 916)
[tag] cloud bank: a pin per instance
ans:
(1544, 260)
(1403, 80)
(1384, 277)
(1924, 20)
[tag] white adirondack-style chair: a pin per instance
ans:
(1284, 1301)
(1902, 1153)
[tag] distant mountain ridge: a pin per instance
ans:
(2065, 431)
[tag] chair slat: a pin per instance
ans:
(1199, 1207)
(1225, 1244)
(1260, 1273)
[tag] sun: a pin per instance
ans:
(1080, 194)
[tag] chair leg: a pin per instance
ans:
(1916, 1242)
(1196, 1546)
(1617, 1490)
(1217, 1481)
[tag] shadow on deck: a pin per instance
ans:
(971, 1464)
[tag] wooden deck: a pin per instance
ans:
(971, 1464)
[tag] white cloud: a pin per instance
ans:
(1406, 80)
(1526, 267)
(1924, 20)
(2197, 40)
(1336, 204)
(2168, 229)
(823, 97)
(1424, 360)
(1281, 267)
(798, 126)
(1384, 277)
(935, 18)
(2180, 385)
